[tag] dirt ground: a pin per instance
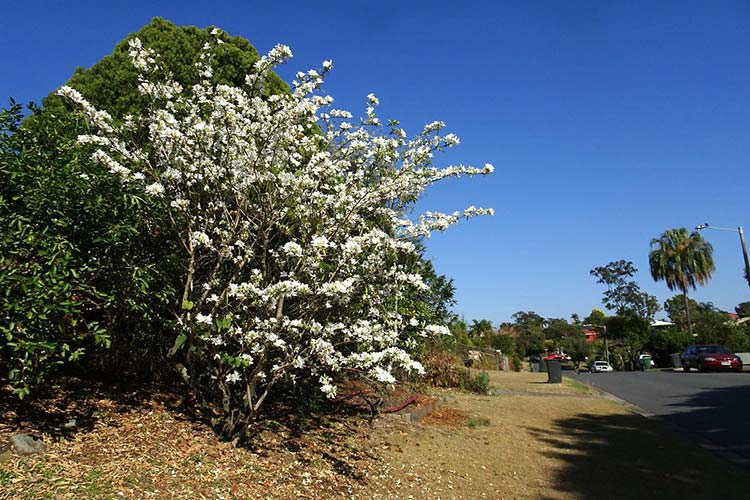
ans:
(531, 440)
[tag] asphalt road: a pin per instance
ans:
(714, 406)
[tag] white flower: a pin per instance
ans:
(233, 377)
(327, 387)
(293, 249)
(179, 203)
(205, 319)
(382, 375)
(437, 330)
(155, 189)
(200, 238)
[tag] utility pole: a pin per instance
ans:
(742, 242)
(744, 254)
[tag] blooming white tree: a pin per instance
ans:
(293, 222)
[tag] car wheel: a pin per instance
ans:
(685, 367)
(701, 368)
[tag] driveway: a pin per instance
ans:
(714, 406)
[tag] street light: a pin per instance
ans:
(742, 242)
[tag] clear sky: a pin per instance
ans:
(607, 122)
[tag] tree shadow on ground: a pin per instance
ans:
(627, 456)
(320, 431)
(73, 405)
(718, 415)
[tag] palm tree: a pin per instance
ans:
(481, 328)
(682, 260)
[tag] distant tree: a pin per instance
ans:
(683, 261)
(481, 328)
(558, 328)
(675, 308)
(504, 343)
(459, 330)
(596, 318)
(623, 295)
(632, 332)
(530, 338)
(530, 341)
(524, 319)
(743, 309)
(577, 348)
(713, 326)
(575, 319)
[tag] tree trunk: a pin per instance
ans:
(687, 313)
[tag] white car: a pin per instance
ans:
(601, 366)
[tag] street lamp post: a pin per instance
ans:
(742, 242)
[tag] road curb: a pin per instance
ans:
(627, 404)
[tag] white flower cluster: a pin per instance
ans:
(293, 215)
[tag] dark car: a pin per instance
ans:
(710, 357)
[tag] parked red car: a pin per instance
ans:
(560, 357)
(710, 357)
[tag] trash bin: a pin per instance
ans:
(534, 367)
(646, 362)
(554, 371)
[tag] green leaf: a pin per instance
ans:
(180, 340)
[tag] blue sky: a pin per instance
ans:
(607, 122)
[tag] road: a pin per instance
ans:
(715, 406)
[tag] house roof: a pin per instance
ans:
(659, 323)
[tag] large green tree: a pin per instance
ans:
(623, 294)
(683, 260)
(110, 83)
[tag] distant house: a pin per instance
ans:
(659, 324)
(591, 335)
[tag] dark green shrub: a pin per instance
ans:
(80, 270)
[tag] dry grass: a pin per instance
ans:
(534, 440)
(550, 441)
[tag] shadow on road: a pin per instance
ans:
(718, 415)
(629, 456)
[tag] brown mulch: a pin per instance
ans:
(445, 416)
(145, 442)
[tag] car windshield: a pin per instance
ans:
(600, 363)
(715, 349)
